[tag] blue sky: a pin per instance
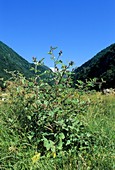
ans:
(80, 28)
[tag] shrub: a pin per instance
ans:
(46, 110)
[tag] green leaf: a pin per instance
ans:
(50, 53)
(68, 142)
(61, 136)
(30, 137)
(29, 117)
(60, 145)
(31, 83)
(46, 143)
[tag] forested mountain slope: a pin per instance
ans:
(101, 66)
(11, 61)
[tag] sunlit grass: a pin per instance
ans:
(16, 152)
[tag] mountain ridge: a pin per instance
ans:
(11, 61)
(101, 66)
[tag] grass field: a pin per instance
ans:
(98, 118)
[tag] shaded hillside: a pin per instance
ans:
(100, 66)
(11, 61)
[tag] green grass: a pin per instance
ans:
(100, 118)
(16, 152)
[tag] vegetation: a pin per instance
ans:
(11, 61)
(53, 126)
(101, 66)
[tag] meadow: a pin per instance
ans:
(73, 131)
